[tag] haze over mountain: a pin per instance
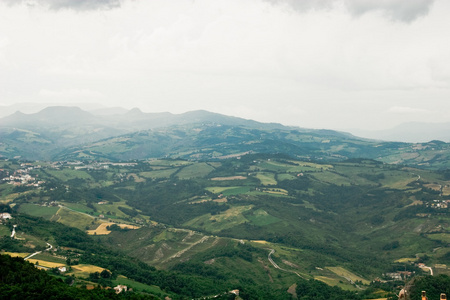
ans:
(411, 132)
(70, 133)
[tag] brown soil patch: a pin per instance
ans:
(291, 290)
(221, 200)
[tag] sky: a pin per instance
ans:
(341, 64)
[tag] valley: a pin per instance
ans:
(246, 222)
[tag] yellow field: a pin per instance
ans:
(260, 241)
(406, 259)
(101, 229)
(229, 178)
(87, 268)
(347, 274)
(44, 263)
(15, 254)
(446, 190)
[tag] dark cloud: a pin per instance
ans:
(69, 4)
(399, 10)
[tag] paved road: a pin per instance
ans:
(35, 253)
(272, 251)
(13, 233)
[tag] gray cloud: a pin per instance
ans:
(401, 10)
(304, 5)
(398, 10)
(81, 5)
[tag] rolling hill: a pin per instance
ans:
(69, 133)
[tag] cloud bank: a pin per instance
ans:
(81, 5)
(399, 10)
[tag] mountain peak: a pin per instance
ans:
(135, 111)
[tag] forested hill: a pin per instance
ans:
(216, 142)
(69, 133)
(22, 280)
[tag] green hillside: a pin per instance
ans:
(216, 222)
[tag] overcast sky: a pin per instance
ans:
(341, 64)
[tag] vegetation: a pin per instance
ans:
(210, 228)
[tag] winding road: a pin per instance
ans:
(272, 251)
(31, 255)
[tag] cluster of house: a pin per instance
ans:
(22, 176)
(399, 275)
(4, 216)
(439, 204)
(120, 288)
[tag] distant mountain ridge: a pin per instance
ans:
(54, 128)
(411, 132)
(70, 133)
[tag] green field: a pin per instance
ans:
(284, 176)
(164, 173)
(227, 219)
(73, 219)
(45, 212)
(444, 237)
(139, 287)
(4, 231)
(331, 177)
(168, 163)
(67, 173)
(261, 218)
(266, 178)
(195, 170)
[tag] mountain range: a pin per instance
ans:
(70, 133)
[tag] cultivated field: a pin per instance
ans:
(101, 229)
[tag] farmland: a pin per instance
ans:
(339, 223)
